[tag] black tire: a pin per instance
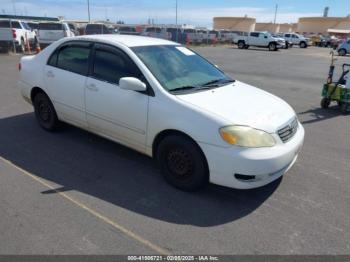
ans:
(45, 112)
(325, 102)
(344, 108)
(272, 47)
(246, 46)
(303, 45)
(21, 48)
(342, 52)
(182, 163)
(241, 44)
(287, 45)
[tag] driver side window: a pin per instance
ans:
(110, 66)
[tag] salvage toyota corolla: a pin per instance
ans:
(166, 101)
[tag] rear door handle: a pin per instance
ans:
(92, 87)
(50, 74)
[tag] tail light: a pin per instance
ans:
(14, 35)
(19, 66)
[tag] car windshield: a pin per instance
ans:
(179, 68)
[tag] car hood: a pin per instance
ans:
(242, 104)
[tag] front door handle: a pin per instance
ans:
(50, 74)
(92, 87)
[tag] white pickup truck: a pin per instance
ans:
(259, 39)
(15, 34)
(50, 32)
(296, 39)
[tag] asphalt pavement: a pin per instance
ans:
(71, 192)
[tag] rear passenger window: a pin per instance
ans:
(16, 25)
(254, 34)
(111, 67)
(74, 59)
(287, 35)
(4, 24)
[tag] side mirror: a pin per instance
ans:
(132, 83)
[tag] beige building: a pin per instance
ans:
(245, 24)
(322, 25)
(270, 27)
(285, 28)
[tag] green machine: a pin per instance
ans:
(337, 91)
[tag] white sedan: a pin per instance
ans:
(165, 101)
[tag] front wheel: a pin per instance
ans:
(272, 47)
(303, 45)
(45, 112)
(182, 163)
(241, 45)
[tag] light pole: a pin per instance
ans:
(177, 27)
(88, 5)
(274, 21)
(14, 7)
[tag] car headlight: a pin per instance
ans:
(245, 136)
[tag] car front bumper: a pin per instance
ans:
(260, 165)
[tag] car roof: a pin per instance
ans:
(127, 40)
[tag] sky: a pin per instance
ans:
(194, 12)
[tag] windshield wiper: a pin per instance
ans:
(218, 82)
(209, 85)
(184, 88)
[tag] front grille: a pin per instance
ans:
(286, 133)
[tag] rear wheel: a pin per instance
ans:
(21, 48)
(182, 163)
(342, 52)
(246, 46)
(344, 108)
(325, 102)
(241, 44)
(45, 112)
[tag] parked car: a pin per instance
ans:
(260, 39)
(281, 38)
(344, 48)
(192, 36)
(225, 36)
(74, 28)
(50, 32)
(34, 26)
(97, 29)
(296, 39)
(127, 30)
(156, 32)
(16, 33)
(167, 102)
(175, 34)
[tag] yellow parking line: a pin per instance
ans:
(91, 211)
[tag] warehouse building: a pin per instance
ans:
(245, 24)
(270, 27)
(323, 25)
